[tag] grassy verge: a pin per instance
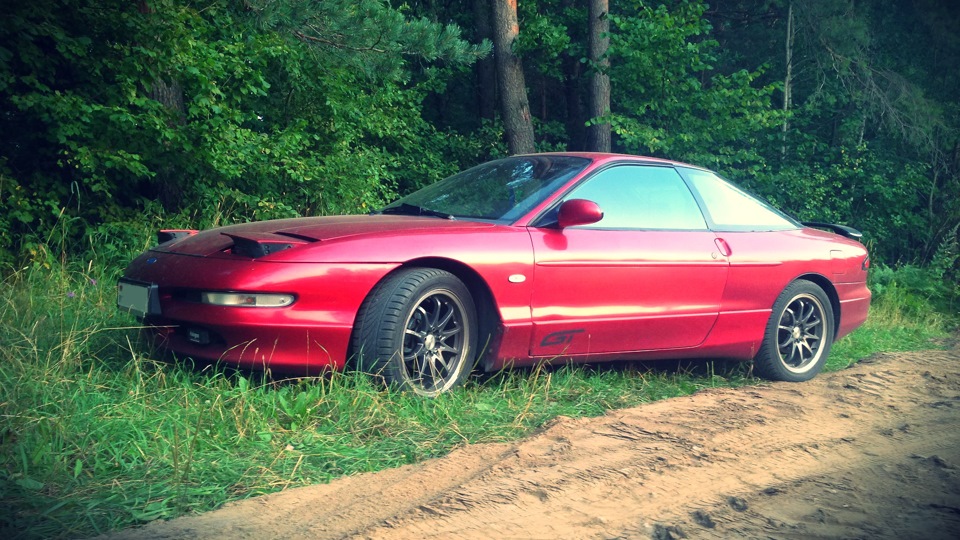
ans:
(95, 435)
(901, 319)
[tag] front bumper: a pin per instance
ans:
(307, 337)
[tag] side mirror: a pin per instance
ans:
(578, 212)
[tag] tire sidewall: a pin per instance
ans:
(396, 299)
(768, 362)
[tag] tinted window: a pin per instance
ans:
(732, 209)
(638, 197)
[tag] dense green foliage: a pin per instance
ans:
(116, 113)
(119, 116)
(97, 434)
(872, 132)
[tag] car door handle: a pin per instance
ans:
(723, 246)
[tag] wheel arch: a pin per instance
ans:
(827, 287)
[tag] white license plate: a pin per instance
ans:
(134, 297)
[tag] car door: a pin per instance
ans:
(647, 276)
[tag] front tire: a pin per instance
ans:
(418, 330)
(798, 336)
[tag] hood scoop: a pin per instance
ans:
(256, 245)
(166, 235)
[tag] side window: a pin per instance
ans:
(732, 209)
(641, 197)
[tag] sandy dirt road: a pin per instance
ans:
(868, 452)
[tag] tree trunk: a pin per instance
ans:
(575, 121)
(513, 89)
(166, 185)
(486, 70)
(598, 134)
(787, 81)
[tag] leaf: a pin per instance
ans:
(29, 484)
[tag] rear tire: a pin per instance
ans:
(417, 329)
(798, 336)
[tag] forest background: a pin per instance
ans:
(118, 118)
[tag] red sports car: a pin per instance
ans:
(545, 257)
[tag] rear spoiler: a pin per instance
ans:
(842, 230)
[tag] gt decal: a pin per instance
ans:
(562, 337)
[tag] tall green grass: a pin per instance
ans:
(912, 309)
(97, 434)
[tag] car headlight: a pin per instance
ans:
(240, 299)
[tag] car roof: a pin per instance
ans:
(599, 157)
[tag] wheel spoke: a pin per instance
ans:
(447, 317)
(786, 341)
(447, 349)
(791, 354)
(433, 314)
(801, 311)
(446, 334)
(443, 362)
(436, 374)
(413, 353)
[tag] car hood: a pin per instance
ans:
(220, 242)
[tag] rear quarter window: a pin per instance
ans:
(729, 208)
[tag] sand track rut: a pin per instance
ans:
(869, 452)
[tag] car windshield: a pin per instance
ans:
(502, 190)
